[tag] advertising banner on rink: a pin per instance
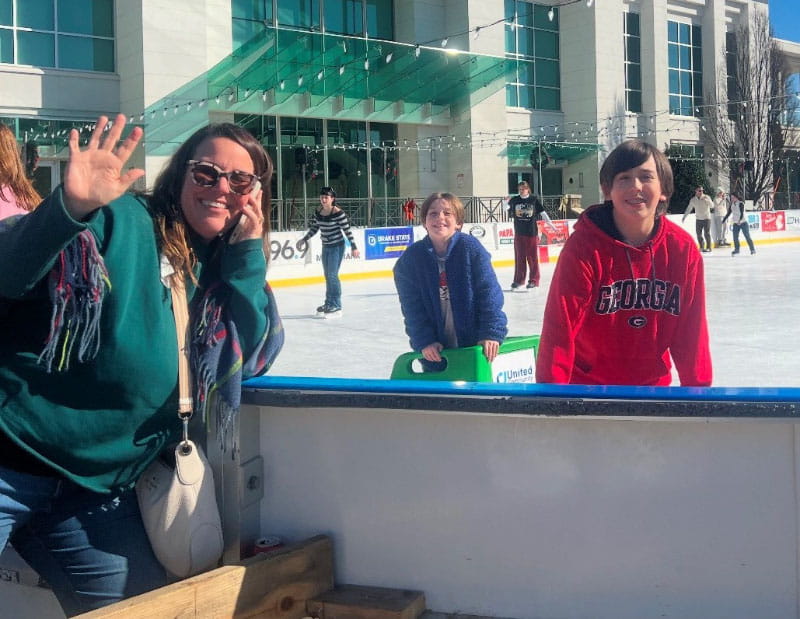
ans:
(773, 221)
(549, 236)
(387, 242)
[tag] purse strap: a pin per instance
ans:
(180, 309)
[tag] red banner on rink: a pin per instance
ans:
(773, 221)
(548, 236)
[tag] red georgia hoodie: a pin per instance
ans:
(615, 313)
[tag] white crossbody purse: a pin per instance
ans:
(176, 492)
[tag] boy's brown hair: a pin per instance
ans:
(453, 201)
(631, 154)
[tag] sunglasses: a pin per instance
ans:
(207, 174)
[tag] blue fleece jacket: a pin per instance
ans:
(475, 294)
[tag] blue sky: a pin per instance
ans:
(785, 18)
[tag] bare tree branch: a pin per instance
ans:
(745, 126)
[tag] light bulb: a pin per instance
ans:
(417, 51)
(551, 14)
(319, 75)
(444, 42)
(389, 57)
(589, 3)
(341, 70)
(366, 64)
(283, 84)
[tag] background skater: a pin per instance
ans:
(702, 206)
(334, 226)
(739, 219)
(524, 209)
(721, 209)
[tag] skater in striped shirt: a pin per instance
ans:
(333, 225)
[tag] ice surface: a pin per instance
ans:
(752, 306)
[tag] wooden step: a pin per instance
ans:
(360, 602)
(276, 585)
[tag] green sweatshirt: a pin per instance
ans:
(100, 423)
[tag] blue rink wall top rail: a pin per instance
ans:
(524, 399)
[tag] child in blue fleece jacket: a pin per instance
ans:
(449, 293)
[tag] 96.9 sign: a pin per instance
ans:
(287, 250)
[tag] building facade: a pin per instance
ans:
(381, 99)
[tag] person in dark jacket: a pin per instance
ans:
(449, 293)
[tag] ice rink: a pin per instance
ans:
(752, 306)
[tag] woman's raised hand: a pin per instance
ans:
(94, 176)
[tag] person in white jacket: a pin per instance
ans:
(702, 206)
(721, 209)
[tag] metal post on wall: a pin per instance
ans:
(385, 189)
(540, 168)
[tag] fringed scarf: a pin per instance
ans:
(77, 284)
(216, 359)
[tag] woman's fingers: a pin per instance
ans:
(129, 145)
(94, 140)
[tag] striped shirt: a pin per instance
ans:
(331, 227)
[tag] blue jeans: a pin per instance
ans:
(744, 227)
(91, 548)
(332, 256)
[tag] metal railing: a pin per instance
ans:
(389, 212)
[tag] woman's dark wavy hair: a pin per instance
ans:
(631, 154)
(165, 198)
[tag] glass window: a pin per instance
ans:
(684, 34)
(525, 42)
(672, 31)
(85, 53)
(299, 13)
(541, 17)
(83, 34)
(510, 9)
(36, 48)
(632, 24)
(526, 98)
(633, 100)
(6, 45)
(244, 30)
(634, 77)
(258, 10)
(532, 39)
(684, 58)
(546, 44)
(632, 50)
(633, 62)
(94, 17)
(685, 68)
(36, 14)
(380, 19)
(344, 16)
(511, 96)
(547, 73)
(5, 13)
(548, 99)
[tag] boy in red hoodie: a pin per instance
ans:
(628, 293)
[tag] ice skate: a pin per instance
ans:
(332, 312)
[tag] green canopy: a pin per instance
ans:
(311, 74)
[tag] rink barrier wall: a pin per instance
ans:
(291, 267)
(532, 500)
